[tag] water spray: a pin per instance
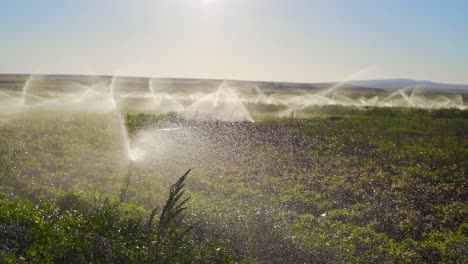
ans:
(25, 88)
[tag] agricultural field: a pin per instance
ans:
(97, 170)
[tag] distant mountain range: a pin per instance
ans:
(385, 85)
(388, 85)
(427, 86)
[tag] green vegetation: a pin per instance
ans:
(74, 230)
(363, 186)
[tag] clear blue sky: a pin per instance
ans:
(279, 40)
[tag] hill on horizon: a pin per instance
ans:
(387, 85)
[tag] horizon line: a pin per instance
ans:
(234, 80)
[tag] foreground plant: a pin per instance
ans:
(76, 231)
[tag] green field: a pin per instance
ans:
(341, 185)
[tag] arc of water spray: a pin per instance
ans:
(123, 128)
(400, 92)
(77, 97)
(223, 85)
(223, 103)
(26, 88)
(151, 87)
(152, 91)
(261, 96)
(233, 94)
(6, 95)
(415, 101)
(347, 79)
(26, 93)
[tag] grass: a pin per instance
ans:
(331, 185)
(75, 230)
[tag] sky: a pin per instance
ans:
(267, 40)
